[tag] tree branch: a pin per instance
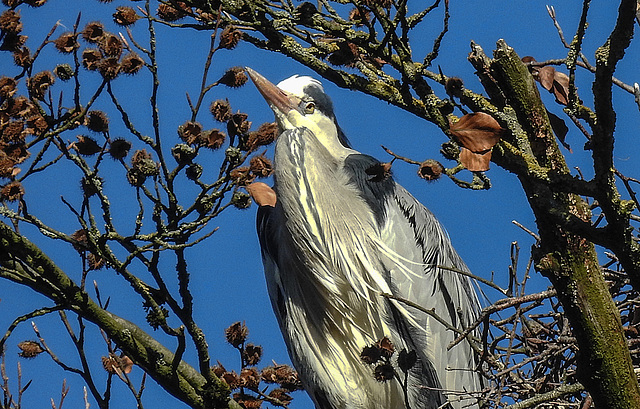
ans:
(185, 383)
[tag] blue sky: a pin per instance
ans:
(226, 270)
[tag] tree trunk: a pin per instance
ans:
(567, 259)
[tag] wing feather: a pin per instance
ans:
(414, 245)
(413, 233)
(417, 246)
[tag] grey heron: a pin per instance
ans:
(335, 240)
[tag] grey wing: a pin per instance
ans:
(412, 232)
(418, 244)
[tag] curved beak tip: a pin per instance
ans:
(275, 97)
(251, 72)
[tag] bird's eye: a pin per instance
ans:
(309, 108)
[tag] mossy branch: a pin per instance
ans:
(23, 262)
(565, 257)
(616, 210)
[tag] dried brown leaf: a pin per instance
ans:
(262, 194)
(477, 132)
(546, 77)
(561, 87)
(475, 162)
(555, 82)
(126, 364)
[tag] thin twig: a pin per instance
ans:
(475, 277)
(556, 393)
(535, 236)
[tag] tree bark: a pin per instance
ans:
(567, 259)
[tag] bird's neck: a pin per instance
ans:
(322, 209)
(311, 184)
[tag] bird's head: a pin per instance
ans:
(300, 101)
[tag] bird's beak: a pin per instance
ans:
(278, 99)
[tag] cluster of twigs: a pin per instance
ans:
(47, 124)
(11, 401)
(524, 342)
(528, 349)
